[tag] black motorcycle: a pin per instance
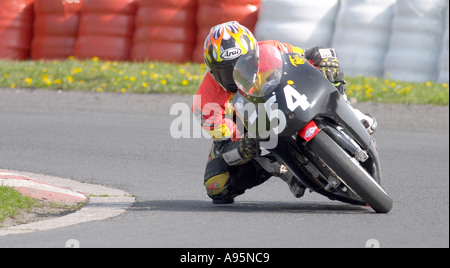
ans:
(306, 125)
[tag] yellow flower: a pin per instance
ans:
(57, 81)
(144, 85)
(428, 83)
(144, 73)
(71, 58)
(99, 89)
(70, 79)
(123, 90)
(46, 79)
(369, 93)
(163, 82)
(28, 81)
(182, 71)
(6, 75)
(184, 83)
(151, 66)
(13, 85)
(77, 70)
(95, 59)
(132, 79)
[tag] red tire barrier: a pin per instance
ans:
(165, 31)
(106, 29)
(213, 12)
(55, 28)
(16, 29)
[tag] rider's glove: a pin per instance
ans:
(240, 151)
(332, 70)
(325, 59)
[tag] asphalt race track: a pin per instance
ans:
(124, 141)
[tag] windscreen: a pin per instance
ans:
(258, 72)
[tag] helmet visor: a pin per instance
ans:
(223, 74)
(258, 73)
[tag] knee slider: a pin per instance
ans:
(216, 186)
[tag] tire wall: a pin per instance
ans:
(444, 55)
(303, 23)
(416, 40)
(165, 30)
(213, 12)
(362, 34)
(106, 29)
(400, 39)
(16, 29)
(55, 29)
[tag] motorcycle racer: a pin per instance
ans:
(232, 165)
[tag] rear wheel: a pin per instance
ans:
(350, 172)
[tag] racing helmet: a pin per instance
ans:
(224, 45)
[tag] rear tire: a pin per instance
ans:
(350, 172)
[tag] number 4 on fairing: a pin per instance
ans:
(295, 99)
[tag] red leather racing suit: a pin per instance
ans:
(212, 106)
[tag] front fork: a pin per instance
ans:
(339, 135)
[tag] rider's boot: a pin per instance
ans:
(297, 188)
(368, 120)
(278, 170)
(224, 201)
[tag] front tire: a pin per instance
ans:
(350, 172)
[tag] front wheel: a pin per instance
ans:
(350, 172)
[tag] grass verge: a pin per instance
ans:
(386, 90)
(16, 209)
(12, 202)
(147, 77)
(98, 76)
